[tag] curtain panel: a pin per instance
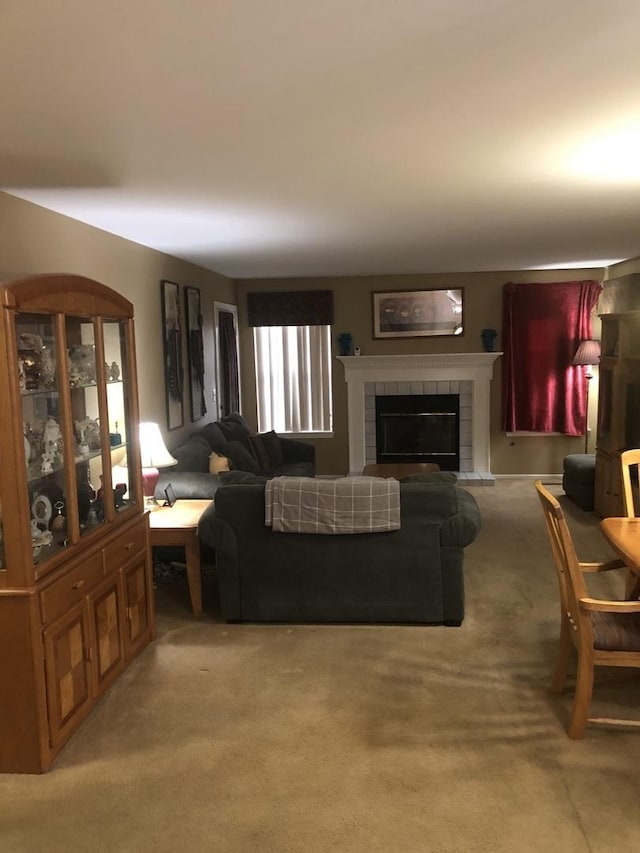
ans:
(542, 391)
(291, 308)
(230, 401)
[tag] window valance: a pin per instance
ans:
(290, 308)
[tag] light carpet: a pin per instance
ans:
(306, 739)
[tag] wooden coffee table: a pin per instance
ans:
(399, 469)
(178, 525)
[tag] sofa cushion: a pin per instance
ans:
(292, 469)
(193, 455)
(241, 458)
(235, 478)
(436, 478)
(273, 446)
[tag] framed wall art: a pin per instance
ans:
(172, 342)
(195, 352)
(417, 313)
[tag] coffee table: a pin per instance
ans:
(178, 525)
(398, 469)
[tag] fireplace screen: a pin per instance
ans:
(417, 428)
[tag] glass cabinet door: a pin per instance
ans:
(118, 385)
(43, 424)
(77, 425)
(82, 380)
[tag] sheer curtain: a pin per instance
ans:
(293, 378)
(542, 391)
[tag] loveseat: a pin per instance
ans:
(411, 575)
(230, 444)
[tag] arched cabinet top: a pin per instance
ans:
(64, 293)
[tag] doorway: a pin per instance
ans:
(225, 318)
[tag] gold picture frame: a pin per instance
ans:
(418, 313)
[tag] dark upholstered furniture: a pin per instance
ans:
(412, 575)
(579, 478)
(268, 455)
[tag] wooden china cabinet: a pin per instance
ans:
(618, 407)
(76, 601)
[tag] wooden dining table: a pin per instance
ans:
(623, 534)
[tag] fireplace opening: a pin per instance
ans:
(419, 428)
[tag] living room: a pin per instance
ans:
(289, 737)
(35, 240)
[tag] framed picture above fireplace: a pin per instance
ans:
(417, 313)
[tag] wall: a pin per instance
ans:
(34, 240)
(482, 309)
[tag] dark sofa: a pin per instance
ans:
(266, 454)
(413, 575)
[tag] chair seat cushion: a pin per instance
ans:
(616, 632)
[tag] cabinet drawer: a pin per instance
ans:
(72, 588)
(128, 543)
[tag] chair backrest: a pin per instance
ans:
(628, 459)
(570, 578)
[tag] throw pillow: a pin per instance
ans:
(218, 463)
(235, 428)
(260, 452)
(273, 446)
(215, 438)
(242, 459)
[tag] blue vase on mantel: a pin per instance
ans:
(344, 343)
(488, 339)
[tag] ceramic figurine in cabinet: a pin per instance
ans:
(47, 368)
(51, 437)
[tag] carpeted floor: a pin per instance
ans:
(306, 739)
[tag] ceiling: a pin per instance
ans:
(263, 138)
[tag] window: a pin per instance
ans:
(293, 378)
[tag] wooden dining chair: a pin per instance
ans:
(628, 460)
(604, 633)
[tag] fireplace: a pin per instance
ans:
(466, 374)
(419, 428)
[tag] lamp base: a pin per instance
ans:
(150, 503)
(150, 478)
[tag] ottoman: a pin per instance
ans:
(579, 477)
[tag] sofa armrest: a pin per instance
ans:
(294, 450)
(461, 528)
(188, 485)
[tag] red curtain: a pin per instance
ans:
(542, 391)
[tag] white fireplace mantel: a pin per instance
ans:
(476, 367)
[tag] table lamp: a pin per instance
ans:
(153, 455)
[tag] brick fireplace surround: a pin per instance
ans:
(466, 374)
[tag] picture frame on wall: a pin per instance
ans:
(417, 313)
(195, 352)
(172, 345)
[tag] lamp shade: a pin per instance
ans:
(588, 352)
(153, 451)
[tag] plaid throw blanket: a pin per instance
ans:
(346, 505)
